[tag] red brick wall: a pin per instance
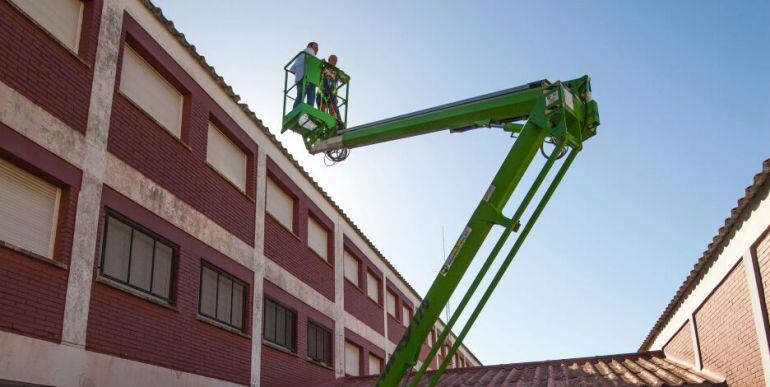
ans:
(357, 302)
(128, 326)
(41, 69)
(396, 327)
(680, 346)
(281, 368)
(290, 249)
(32, 291)
(179, 165)
(726, 332)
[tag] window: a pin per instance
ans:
(319, 343)
(279, 204)
(406, 315)
(352, 359)
(318, 238)
(226, 157)
(375, 365)
(29, 208)
(61, 18)
(280, 325)
(351, 267)
(149, 90)
(221, 297)
(136, 258)
(390, 303)
(373, 287)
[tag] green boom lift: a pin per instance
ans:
(559, 113)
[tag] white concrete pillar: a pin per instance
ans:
(758, 308)
(695, 343)
(259, 268)
(339, 297)
(89, 198)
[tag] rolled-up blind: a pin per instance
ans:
(226, 157)
(28, 210)
(61, 18)
(318, 238)
(352, 359)
(149, 90)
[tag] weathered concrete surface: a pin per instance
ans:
(36, 124)
(89, 197)
(150, 195)
(46, 363)
(259, 269)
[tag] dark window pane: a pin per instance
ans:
(224, 297)
(311, 341)
(161, 275)
(238, 297)
(208, 292)
(117, 245)
(280, 326)
(141, 260)
(270, 321)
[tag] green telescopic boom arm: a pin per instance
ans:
(561, 113)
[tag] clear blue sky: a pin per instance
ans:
(684, 95)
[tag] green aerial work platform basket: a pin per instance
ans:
(309, 120)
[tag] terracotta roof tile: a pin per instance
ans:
(711, 253)
(635, 369)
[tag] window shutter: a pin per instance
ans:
(351, 267)
(318, 238)
(149, 90)
(61, 18)
(374, 365)
(280, 205)
(406, 315)
(226, 157)
(391, 304)
(373, 287)
(352, 359)
(29, 208)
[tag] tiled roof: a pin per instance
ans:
(711, 253)
(158, 13)
(635, 369)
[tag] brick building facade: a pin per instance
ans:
(154, 232)
(717, 322)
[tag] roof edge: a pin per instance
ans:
(709, 256)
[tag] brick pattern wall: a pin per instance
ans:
(125, 325)
(680, 346)
(289, 249)
(282, 368)
(179, 165)
(41, 69)
(726, 332)
(32, 292)
(357, 301)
